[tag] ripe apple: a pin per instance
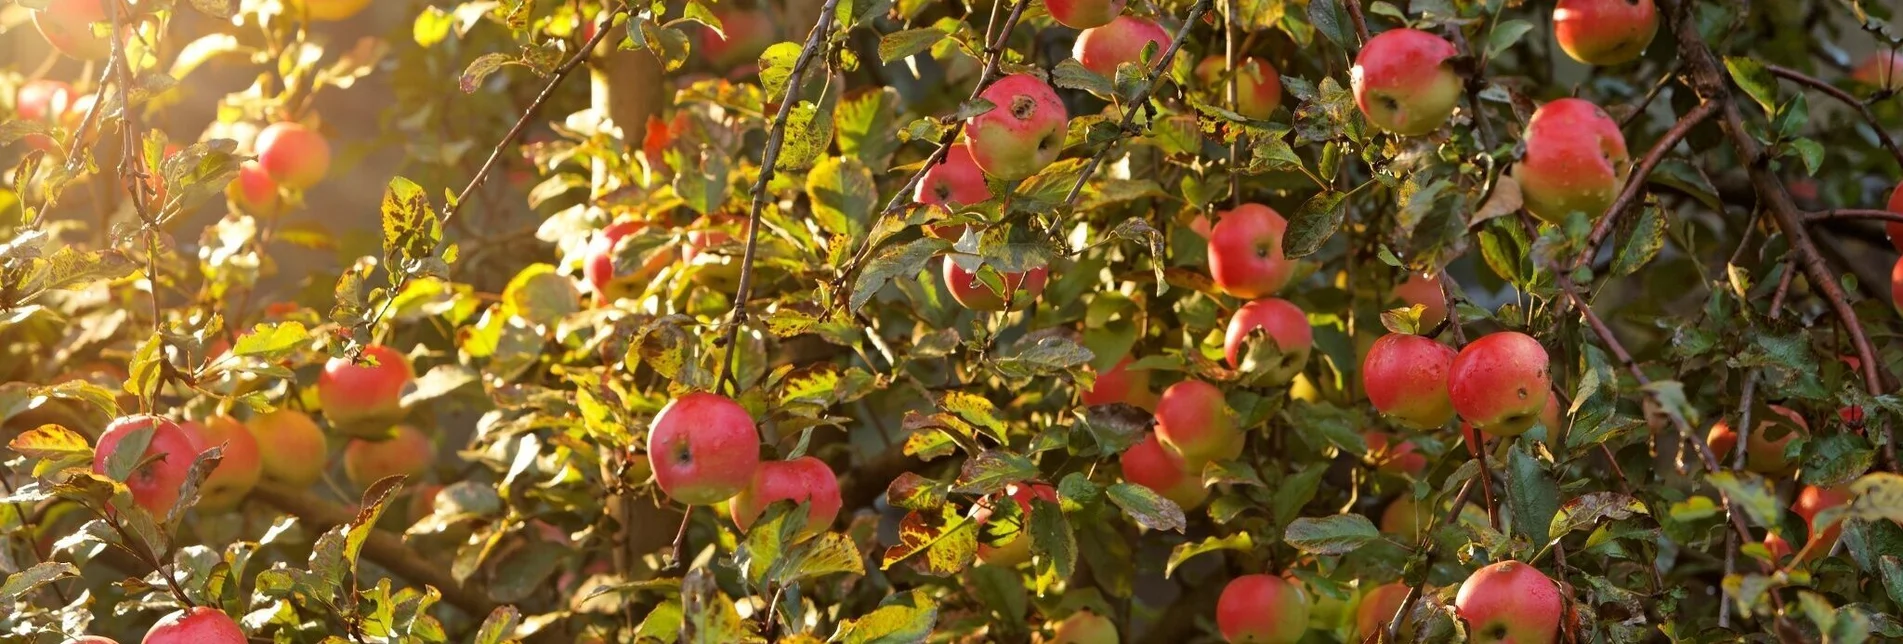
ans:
(167, 457)
(237, 473)
(1406, 379)
(365, 394)
(1402, 458)
(253, 191)
(1575, 161)
(704, 448)
(1404, 517)
(1262, 608)
(1761, 453)
(291, 448)
(975, 295)
(1102, 49)
(1896, 285)
(956, 181)
(1018, 549)
(44, 100)
(1376, 609)
(408, 453)
(1510, 603)
(1895, 228)
(1084, 14)
(1245, 252)
(67, 26)
(1496, 381)
(1812, 501)
(1882, 69)
(802, 480)
(333, 10)
(1778, 546)
(92, 639)
(716, 270)
(1121, 385)
(748, 34)
(1023, 133)
(1403, 82)
(1605, 32)
(297, 157)
(1284, 323)
(1193, 419)
(1152, 464)
(1258, 85)
(195, 625)
(599, 266)
(1083, 626)
(1425, 290)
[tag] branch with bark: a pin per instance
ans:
(1127, 125)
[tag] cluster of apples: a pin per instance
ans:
(704, 449)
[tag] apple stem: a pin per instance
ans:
(1486, 481)
(680, 539)
(1138, 103)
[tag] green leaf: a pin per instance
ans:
(769, 538)
(899, 262)
(1531, 493)
(1836, 459)
(1000, 589)
(541, 296)
(1506, 34)
(1755, 80)
(703, 184)
(776, 67)
(989, 471)
(1684, 177)
(1648, 237)
(20, 583)
(1070, 74)
(1331, 19)
(482, 67)
(843, 196)
(1333, 535)
(900, 44)
(1149, 510)
(1315, 221)
(500, 624)
(906, 617)
(1053, 547)
(975, 409)
(1750, 492)
(1184, 551)
(272, 340)
(1294, 492)
(948, 540)
(1587, 510)
(864, 126)
(1808, 151)
(826, 554)
(410, 229)
(911, 491)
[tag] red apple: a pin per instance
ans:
(1425, 290)
(956, 181)
(333, 10)
(1812, 501)
(1895, 228)
(409, 453)
(802, 480)
(44, 100)
(1605, 32)
(92, 639)
(195, 625)
(1778, 546)
(296, 157)
(67, 26)
(168, 460)
(1152, 464)
(1896, 285)
(748, 34)
(1102, 49)
(1258, 85)
(969, 291)
(1762, 454)
(1193, 419)
(1121, 385)
(599, 266)
(1377, 609)
(253, 191)
(704, 448)
(291, 448)
(1018, 549)
(237, 473)
(1403, 82)
(1083, 626)
(1023, 133)
(1084, 14)
(1496, 383)
(1575, 161)
(1406, 379)
(1262, 608)
(1282, 322)
(716, 270)
(1245, 252)
(1510, 603)
(1401, 458)
(353, 394)
(1882, 69)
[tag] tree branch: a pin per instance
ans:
(1635, 183)
(1126, 126)
(1883, 136)
(1851, 214)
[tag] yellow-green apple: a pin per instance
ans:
(1575, 160)
(1405, 518)
(954, 182)
(1812, 501)
(1085, 627)
(1258, 85)
(408, 453)
(358, 395)
(1263, 609)
(1121, 385)
(1084, 14)
(291, 448)
(1016, 549)
(195, 625)
(294, 155)
(599, 264)
(1605, 32)
(167, 460)
(1762, 453)
(1394, 457)
(1895, 228)
(253, 191)
(974, 294)
(1425, 290)
(1282, 322)
(1882, 69)
(704, 448)
(1510, 603)
(802, 480)
(1023, 132)
(1404, 83)
(1405, 376)
(1499, 383)
(1245, 251)
(237, 473)
(1102, 49)
(747, 34)
(1152, 464)
(67, 26)
(1376, 609)
(333, 10)
(1193, 419)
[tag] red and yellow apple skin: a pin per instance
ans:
(46, 101)
(1406, 379)
(1023, 133)
(67, 26)
(1500, 383)
(1258, 85)
(253, 190)
(1121, 385)
(1085, 627)
(1283, 322)
(1084, 14)
(291, 447)
(352, 393)
(1761, 454)
(1192, 418)
(1392, 457)
(1403, 82)
(1018, 549)
(1575, 161)
(1376, 609)
(1896, 285)
(973, 294)
(599, 266)
(409, 453)
(1425, 290)
(1882, 69)
(1605, 32)
(1895, 228)
(1245, 252)
(1102, 49)
(240, 468)
(1510, 603)
(704, 449)
(1262, 609)
(1812, 501)
(295, 156)
(954, 182)
(1403, 518)
(168, 460)
(802, 480)
(1152, 464)
(195, 625)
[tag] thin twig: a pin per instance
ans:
(1230, 98)
(1354, 14)
(1428, 554)
(1635, 183)
(1126, 126)
(1883, 135)
(383, 548)
(1835, 214)
(92, 111)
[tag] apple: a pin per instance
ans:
(1605, 32)
(1510, 603)
(802, 480)
(954, 182)
(1575, 161)
(1812, 501)
(47, 101)
(1404, 517)
(1404, 83)
(291, 448)
(1152, 464)
(1495, 383)
(1406, 379)
(1083, 626)
(1778, 546)
(364, 394)
(167, 460)
(1193, 419)
(1376, 609)
(1262, 608)
(1258, 85)
(67, 26)
(1761, 454)
(747, 35)
(1023, 133)
(92, 639)
(409, 453)
(1882, 69)
(1018, 549)
(333, 10)
(1401, 458)
(253, 190)
(1425, 290)
(195, 625)
(237, 473)
(976, 295)
(1245, 252)
(1121, 385)
(716, 270)
(704, 448)
(1282, 322)
(1896, 285)
(599, 265)
(1084, 14)
(1102, 49)
(295, 156)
